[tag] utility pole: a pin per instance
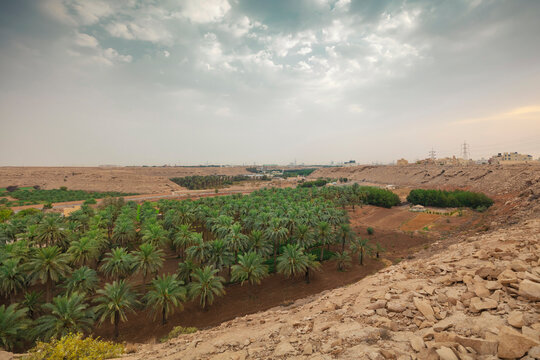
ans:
(432, 154)
(465, 150)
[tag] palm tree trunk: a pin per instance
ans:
(307, 276)
(163, 316)
(116, 321)
(322, 252)
(49, 289)
(275, 252)
(343, 244)
(361, 257)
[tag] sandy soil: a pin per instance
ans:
(143, 180)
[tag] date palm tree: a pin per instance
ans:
(258, 243)
(47, 266)
(124, 231)
(84, 280)
(185, 269)
(361, 247)
(311, 264)
(166, 294)
(51, 232)
(183, 238)
(67, 314)
(148, 260)
(292, 261)
(206, 285)
(345, 234)
(84, 251)
(236, 240)
(277, 233)
(325, 236)
(12, 278)
(343, 260)
(118, 264)
(200, 250)
(303, 236)
(155, 234)
(33, 302)
(250, 268)
(219, 255)
(378, 250)
(14, 325)
(114, 302)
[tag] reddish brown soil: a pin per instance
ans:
(274, 290)
(419, 221)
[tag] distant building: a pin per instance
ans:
(350, 163)
(402, 162)
(417, 208)
(510, 158)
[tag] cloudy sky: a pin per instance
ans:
(89, 82)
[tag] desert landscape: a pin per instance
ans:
(251, 179)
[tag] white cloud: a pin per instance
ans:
(85, 40)
(144, 29)
(90, 12)
(166, 53)
(205, 11)
(404, 20)
(304, 51)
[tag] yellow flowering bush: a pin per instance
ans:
(74, 347)
(177, 331)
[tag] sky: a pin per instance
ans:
(186, 82)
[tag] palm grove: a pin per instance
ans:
(66, 275)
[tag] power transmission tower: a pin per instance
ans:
(432, 154)
(465, 150)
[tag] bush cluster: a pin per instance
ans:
(457, 198)
(39, 196)
(314, 183)
(75, 347)
(198, 182)
(177, 331)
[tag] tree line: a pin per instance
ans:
(443, 198)
(199, 182)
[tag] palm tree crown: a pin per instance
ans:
(166, 294)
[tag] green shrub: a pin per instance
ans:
(370, 230)
(177, 331)
(316, 183)
(198, 182)
(90, 201)
(74, 347)
(442, 198)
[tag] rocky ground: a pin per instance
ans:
(478, 299)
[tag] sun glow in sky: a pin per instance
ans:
(88, 82)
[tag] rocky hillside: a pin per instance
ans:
(479, 299)
(516, 187)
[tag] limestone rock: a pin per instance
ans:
(396, 306)
(478, 304)
(507, 277)
(425, 308)
(445, 353)
(481, 346)
(515, 318)
(283, 348)
(4, 355)
(512, 344)
(529, 290)
(417, 343)
(379, 304)
(534, 352)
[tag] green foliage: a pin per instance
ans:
(315, 183)
(13, 326)
(343, 260)
(165, 295)
(66, 314)
(118, 264)
(114, 302)
(370, 230)
(177, 331)
(83, 280)
(199, 182)
(5, 214)
(32, 197)
(148, 260)
(297, 172)
(250, 268)
(206, 285)
(12, 277)
(442, 198)
(47, 266)
(75, 347)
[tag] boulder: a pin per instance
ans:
(529, 290)
(512, 344)
(480, 290)
(478, 305)
(534, 352)
(507, 277)
(481, 346)
(425, 308)
(379, 304)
